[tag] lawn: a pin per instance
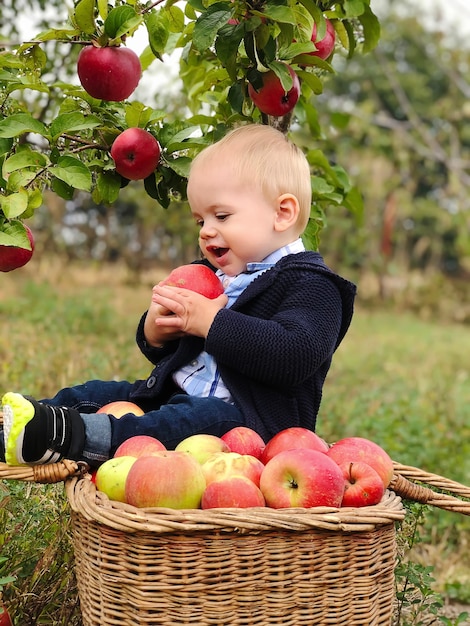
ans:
(401, 381)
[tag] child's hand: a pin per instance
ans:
(192, 313)
(157, 335)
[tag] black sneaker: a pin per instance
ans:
(36, 433)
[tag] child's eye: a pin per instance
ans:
(200, 223)
(222, 216)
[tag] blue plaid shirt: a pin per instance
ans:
(201, 377)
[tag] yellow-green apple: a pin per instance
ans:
(12, 257)
(352, 449)
(108, 73)
(136, 153)
(195, 277)
(111, 477)
(235, 492)
(201, 446)
(118, 408)
(291, 438)
(244, 440)
(302, 478)
(271, 98)
(223, 465)
(139, 445)
(166, 479)
(363, 485)
(326, 45)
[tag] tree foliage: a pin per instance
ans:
(53, 135)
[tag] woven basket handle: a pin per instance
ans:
(412, 483)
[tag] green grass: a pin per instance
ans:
(403, 382)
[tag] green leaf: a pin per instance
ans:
(14, 204)
(280, 13)
(14, 233)
(71, 122)
(121, 20)
(353, 8)
(314, 10)
(157, 24)
(62, 189)
(24, 158)
(208, 24)
(282, 72)
(371, 28)
(177, 142)
(181, 165)
(20, 123)
(311, 80)
(85, 16)
(107, 189)
(73, 172)
(55, 34)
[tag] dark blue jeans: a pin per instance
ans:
(179, 418)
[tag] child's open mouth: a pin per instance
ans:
(219, 252)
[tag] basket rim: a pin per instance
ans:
(85, 500)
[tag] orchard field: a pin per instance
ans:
(398, 380)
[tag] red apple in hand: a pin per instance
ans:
(302, 478)
(244, 440)
(196, 277)
(363, 485)
(12, 257)
(166, 479)
(292, 438)
(139, 445)
(136, 153)
(272, 98)
(236, 492)
(118, 408)
(353, 449)
(110, 73)
(326, 45)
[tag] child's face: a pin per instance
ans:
(237, 222)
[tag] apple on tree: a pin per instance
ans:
(139, 445)
(223, 465)
(363, 485)
(136, 153)
(302, 478)
(325, 46)
(195, 277)
(234, 492)
(108, 73)
(271, 98)
(118, 408)
(13, 257)
(244, 440)
(166, 479)
(202, 446)
(291, 438)
(353, 449)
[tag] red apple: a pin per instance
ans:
(353, 449)
(136, 153)
(139, 445)
(111, 477)
(201, 446)
(166, 479)
(195, 277)
(244, 440)
(118, 408)
(12, 257)
(302, 478)
(326, 45)
(271, 98)
(364, 486)
(223, 465)
(5, 619)
(110, 73)
(236, 492)
(291, 438)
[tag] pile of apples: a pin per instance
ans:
(296, 468)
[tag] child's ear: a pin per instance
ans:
(287, 212)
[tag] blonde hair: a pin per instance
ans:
(264, 156)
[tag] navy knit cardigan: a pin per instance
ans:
(273, 346)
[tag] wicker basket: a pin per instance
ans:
(243, 567)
